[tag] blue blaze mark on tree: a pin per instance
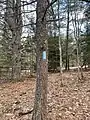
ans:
(44, 55)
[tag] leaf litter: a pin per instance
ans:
(69, 102)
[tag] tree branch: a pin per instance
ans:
(50, 4)
(25, 113)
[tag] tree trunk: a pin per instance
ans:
(40, 105)
(60, 47)
(14, 21)
(67, 38)
(16, 55)
(76, 35)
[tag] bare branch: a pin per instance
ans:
(50, 4)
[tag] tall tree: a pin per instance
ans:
(77, 27)
(40, 105)
(86, 50)
(67, 36)
(14, 21)
(60, 48)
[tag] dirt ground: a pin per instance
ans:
(68, 102)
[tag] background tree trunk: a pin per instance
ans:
(14, 21)
(67, 38)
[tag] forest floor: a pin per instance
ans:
(68, 102)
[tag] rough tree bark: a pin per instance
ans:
(40, 105)
(14, 21)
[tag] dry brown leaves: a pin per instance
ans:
(70, 102)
